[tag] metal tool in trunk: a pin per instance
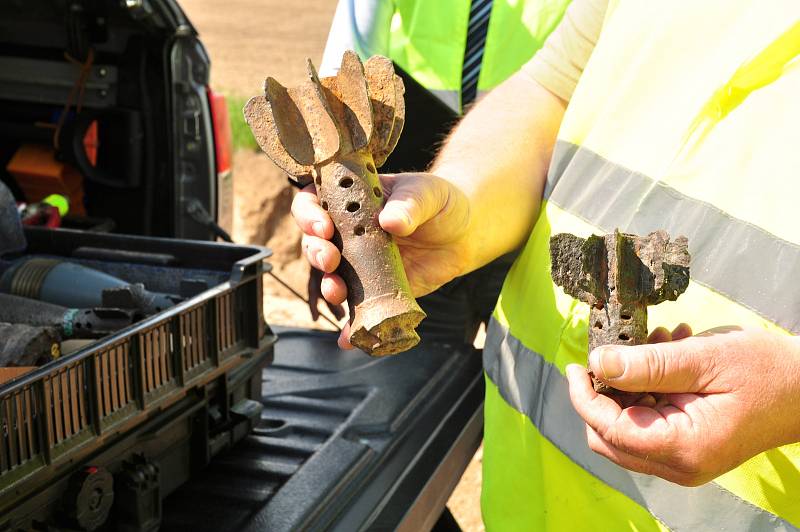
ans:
(336, 131)
(69, 322)
(618, 275)
(72, 285)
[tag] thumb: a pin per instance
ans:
(668, 367)
(414, 199)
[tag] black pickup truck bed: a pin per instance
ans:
(345, 442)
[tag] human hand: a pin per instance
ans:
(315, 294)
(429, 218)
(716, 400)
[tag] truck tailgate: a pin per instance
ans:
(345, 442)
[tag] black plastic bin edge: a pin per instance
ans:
(242, 270)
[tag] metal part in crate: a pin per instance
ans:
(74, 412)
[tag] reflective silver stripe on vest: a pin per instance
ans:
(536, 388)
(452, 98)
(728, 254)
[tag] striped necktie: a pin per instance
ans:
(479, 12)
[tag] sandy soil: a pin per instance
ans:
(248, 40)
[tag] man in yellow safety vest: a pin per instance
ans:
(638, 116)
(456, 49)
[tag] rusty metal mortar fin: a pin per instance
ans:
(336, 131)
(618, 275)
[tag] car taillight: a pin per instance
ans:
(223, 137)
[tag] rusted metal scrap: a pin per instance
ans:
(27, 345)
(335, 131)
(618, 275)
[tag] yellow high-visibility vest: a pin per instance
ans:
(686, 119)
(428, 37)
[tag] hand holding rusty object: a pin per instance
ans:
(619, 275)
(336, 131)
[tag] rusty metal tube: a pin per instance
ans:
(383, 308)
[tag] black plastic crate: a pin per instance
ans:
(77, 411)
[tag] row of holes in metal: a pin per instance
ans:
(353, 206)
(625, 317)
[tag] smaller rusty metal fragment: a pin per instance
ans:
(356, 106)
(386, 95)
(399, 118)
(258, 114)
(618, 275)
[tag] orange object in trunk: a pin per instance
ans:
(7, 374)
(39, 174)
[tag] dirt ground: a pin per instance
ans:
(248, 40)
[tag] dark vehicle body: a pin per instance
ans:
(147, 87)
